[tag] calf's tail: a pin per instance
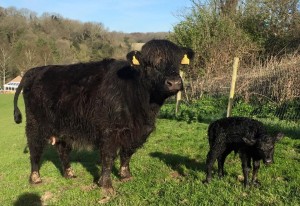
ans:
(17, 112)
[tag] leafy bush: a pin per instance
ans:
(210, 108)
(204, 110)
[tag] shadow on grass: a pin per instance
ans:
(176, 162)
(90, 160)
(293, 133)
(31, 199)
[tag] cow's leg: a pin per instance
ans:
(221, 160)
(246, 165)
(64, 150)
(108, 155)
(212, 155)
(125, 156)
(127, 151)
(36, 145)
(256, 165)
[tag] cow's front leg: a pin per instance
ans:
(256, 165)
(246, 165)
(107, 161)
(125, 156)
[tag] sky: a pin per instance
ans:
(116, 15)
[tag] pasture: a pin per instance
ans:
(167, 170)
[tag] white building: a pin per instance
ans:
(13, 84)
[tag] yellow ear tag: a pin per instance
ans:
(185, 60)
(135, 61)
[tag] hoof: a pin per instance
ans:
(126, 179)
(256, 183)
(206, 181)
(108, 192)
(124, 173)
(69, 173)
(35, 178)
(104, 200)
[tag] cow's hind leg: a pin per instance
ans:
(212, 155)
(64, 150)
(36, 146)
(221, 160)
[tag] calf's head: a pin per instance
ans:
(265, 146)
(160, 61)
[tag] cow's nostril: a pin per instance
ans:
(169, 83)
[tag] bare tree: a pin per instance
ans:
(228, 7)
(4, 58)
(29, 61)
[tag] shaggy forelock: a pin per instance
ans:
(156, 53)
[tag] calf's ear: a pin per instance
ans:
(249, 141)
(134, 57)
(279, 136)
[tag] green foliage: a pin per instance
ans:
(167, 170)
(289, 110)
(204, 110)
(210, 108)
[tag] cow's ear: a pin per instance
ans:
(279, 136)
(185, 60)
(134, 57)
(249, 141)
(188, 54)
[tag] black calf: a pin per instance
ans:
(246, 136)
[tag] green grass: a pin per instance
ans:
(168, 170)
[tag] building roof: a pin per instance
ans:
(14, 83)
(16, 79)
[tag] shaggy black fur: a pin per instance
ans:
(246, 136)
(110, 105)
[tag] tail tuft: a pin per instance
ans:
(17, 116)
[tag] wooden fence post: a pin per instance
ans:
(179, 95)
(232, 88)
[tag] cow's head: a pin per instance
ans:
(266, 146)
(160, 61)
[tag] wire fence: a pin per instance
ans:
(275, 83)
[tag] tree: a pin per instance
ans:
(4, 58)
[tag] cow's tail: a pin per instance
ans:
(17, 112)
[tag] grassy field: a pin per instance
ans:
(168, 170)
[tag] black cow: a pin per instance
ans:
(111, 105)
(246, 136)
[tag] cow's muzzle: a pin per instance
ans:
(174, 85)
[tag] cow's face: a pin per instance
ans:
(266, 148)
(161, 59)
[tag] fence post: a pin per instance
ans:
(232, 87)
(179, 95)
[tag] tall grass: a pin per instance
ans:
(167, 170)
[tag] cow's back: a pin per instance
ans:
(232, 129)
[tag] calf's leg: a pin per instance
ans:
(221, 160)
(246, 165)
(212, 155)
(256, 166)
